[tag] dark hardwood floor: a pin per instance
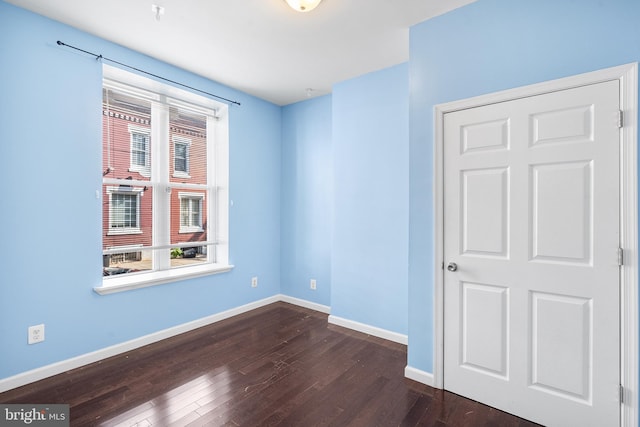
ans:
(280, 365)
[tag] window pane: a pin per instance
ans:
(188, 226)
(188, 131)
(195, 213)
(181, 165)
(127, 229)
(126, 155)
(126, 136)
(184, 213)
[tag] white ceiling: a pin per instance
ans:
(261, 47)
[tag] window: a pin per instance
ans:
(191, 212)
(181, 157)
(140, 150)
(165, 180)
(124, 216)
(124, 211)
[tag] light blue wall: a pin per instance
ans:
(50, 151)
(369, 256)
(481, 48)
(307, 198)
(364, 235)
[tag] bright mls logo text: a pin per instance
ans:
(40, 415)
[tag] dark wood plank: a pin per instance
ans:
(280, 365)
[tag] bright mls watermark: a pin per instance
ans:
(34, 415)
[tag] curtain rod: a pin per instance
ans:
(148, 73)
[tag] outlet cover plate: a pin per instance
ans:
(36, 333)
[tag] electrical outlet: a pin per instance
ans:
(254, 282)
(313, 284)
(36, 334)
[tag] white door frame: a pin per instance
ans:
(628, 77)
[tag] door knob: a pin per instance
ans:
(452, 266)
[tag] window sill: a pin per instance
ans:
(126, 231)
(142, 170)
(187, 230)
(144, 280)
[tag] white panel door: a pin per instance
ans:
(531, 221)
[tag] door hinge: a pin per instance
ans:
(620, 256)
(621, 394)
(620, 119)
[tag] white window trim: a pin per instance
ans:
(217, 177)
(124, 230)
(190, 196)
(187, 142)
(146, 169)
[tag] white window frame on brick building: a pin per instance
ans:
(186, 143)
(187, 200)
(143, 169)
(114, 228)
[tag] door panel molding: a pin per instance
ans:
(627, 75)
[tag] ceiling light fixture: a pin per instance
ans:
(303, 5)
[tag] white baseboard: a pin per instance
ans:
(419, 376)
(306, 304)
(368, 329)
(85, 359)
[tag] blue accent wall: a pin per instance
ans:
(369, 255)
(50, 151)
(307, 201)
(484, 47)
